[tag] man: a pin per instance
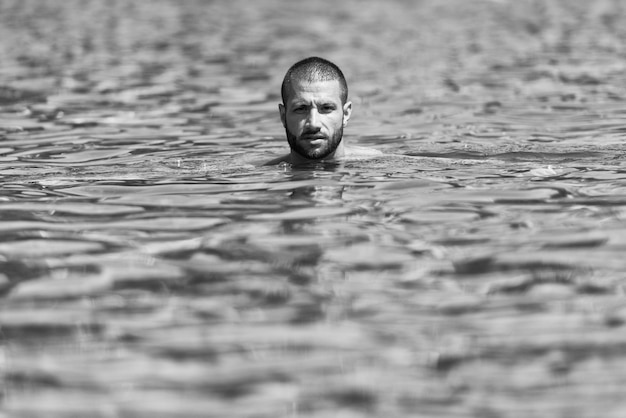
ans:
(314, 111)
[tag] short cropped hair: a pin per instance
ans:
(314, 69)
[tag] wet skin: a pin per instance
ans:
(314, 118)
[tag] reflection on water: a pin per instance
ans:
(151, 266)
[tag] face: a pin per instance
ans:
(314, 118)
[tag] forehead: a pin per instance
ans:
(315, 90)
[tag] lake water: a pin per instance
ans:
(150, 266)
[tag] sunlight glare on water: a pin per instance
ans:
(151, 266)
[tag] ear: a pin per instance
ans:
(281, 110)
(347, 112)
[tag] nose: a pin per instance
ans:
(313, 120)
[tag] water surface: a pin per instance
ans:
(151, 266)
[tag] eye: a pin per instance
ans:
(300, 109)
(328, 108)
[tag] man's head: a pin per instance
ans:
(315, 109)
(314, 69)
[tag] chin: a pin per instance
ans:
(316, 153)
(321, 155)
(324, 150)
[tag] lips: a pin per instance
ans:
(313, 137)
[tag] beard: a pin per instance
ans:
(327, 148)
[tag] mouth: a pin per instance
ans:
(314, 137)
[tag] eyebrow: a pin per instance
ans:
(324, 101)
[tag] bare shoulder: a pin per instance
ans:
(350, 153)
(357, 153)
(278, 160)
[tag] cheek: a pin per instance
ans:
(336, 121)
(295, 125)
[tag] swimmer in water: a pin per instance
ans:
(314, 111)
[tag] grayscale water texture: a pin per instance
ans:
(150, 266)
